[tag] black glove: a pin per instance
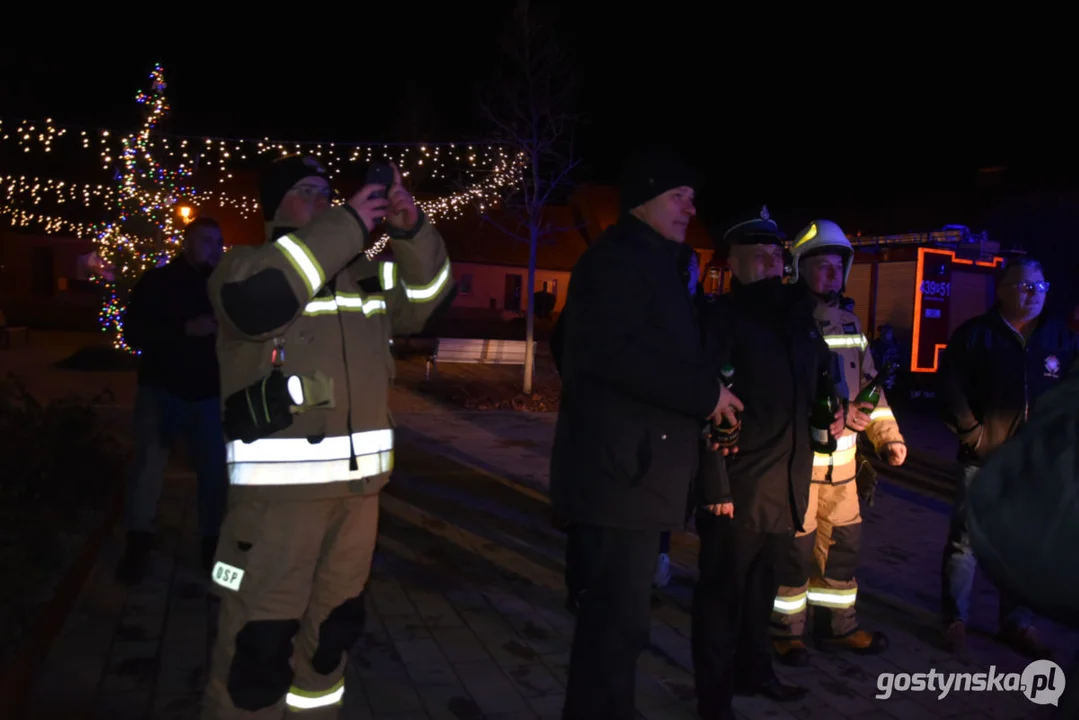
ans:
(259, 410)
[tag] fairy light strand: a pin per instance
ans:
(153, 173)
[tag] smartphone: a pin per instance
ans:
(379, 173)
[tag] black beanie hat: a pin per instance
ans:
(281, 175)
(650, 173)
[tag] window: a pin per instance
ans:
(464, 284)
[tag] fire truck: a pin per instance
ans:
(923, 285)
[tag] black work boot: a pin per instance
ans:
(132, 567)
(791, 651)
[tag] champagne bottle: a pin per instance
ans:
(724, 433)
(726, 376)
(822, 416)
(871, 393)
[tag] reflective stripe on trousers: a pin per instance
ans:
(790, 605)
(819, 597)
(845, 452)
(297, 461)
(298, 699)
(827, 597)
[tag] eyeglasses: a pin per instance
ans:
(1032, 287)
(311, 192)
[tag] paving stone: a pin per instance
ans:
(184, 653)
(406, 627)
(389, 597)
(534, 680)
(176, 707)
(120, 705)
(436, 611)
(490, 688)
(425, 662)
(448, 702)
(460, 645)
(132, 667)
(466, 621)
(547, 706)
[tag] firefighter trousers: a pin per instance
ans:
(291, 576)
(818, 571)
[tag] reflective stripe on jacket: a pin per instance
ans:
(312, 292)
(842, 333)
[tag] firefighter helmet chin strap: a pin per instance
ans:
(830, 297)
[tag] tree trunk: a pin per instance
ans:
(530, 313)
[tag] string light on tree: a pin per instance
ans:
(144, 235)
(49, 224)
(21, 191)
(444, 163)
(143, 204)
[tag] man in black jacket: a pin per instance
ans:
(170, 321)
(636, 394)
(1023, 520)
(765, 330)
(992, 373)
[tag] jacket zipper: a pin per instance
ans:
(1026, 384)
(353, 465)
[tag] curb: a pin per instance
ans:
(18, 678)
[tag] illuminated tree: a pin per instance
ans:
(144, 233)
(530, 108)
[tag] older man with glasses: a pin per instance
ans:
(992, 373)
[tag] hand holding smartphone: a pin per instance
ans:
(379, 173)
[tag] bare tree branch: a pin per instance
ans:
(486, 217)
(529, 106)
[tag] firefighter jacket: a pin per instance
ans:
(311, 295)
(853, 367)
(765, 330)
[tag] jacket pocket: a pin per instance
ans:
(648, 455)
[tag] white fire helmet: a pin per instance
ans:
(815, 238)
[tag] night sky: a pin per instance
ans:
(883, 136)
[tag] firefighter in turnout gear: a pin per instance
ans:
(819, 571)
(305, 325)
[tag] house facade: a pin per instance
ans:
(45, 281)
(490, 258)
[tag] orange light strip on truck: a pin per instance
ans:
(918, 277)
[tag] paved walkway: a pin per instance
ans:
(466, 617)
(465, 607)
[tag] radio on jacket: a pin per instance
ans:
(267, 406)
